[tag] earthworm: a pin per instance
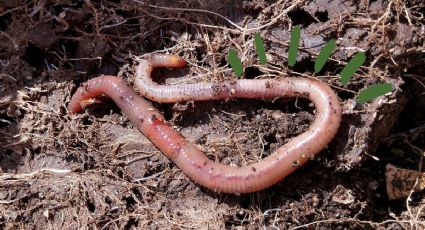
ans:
(198, 167)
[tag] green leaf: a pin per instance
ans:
(352, 66)
(374, 91)
(325, 53)
(235, 62)
(261, 51)
(293, 45)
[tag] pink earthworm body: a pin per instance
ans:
(213, 175)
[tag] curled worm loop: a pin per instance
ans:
(187, 156)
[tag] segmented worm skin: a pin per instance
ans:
(185, 155)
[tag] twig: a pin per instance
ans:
(275, 19)
(148, 177)
(11, 176)
(413, 220)
(198, 10)
(352, 220)
(241, 29)
(15, 9)
(406, 137)
(11, 39)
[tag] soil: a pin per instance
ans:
(95, 170)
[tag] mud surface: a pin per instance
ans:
(95, 170)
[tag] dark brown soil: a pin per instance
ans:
(95, 170)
